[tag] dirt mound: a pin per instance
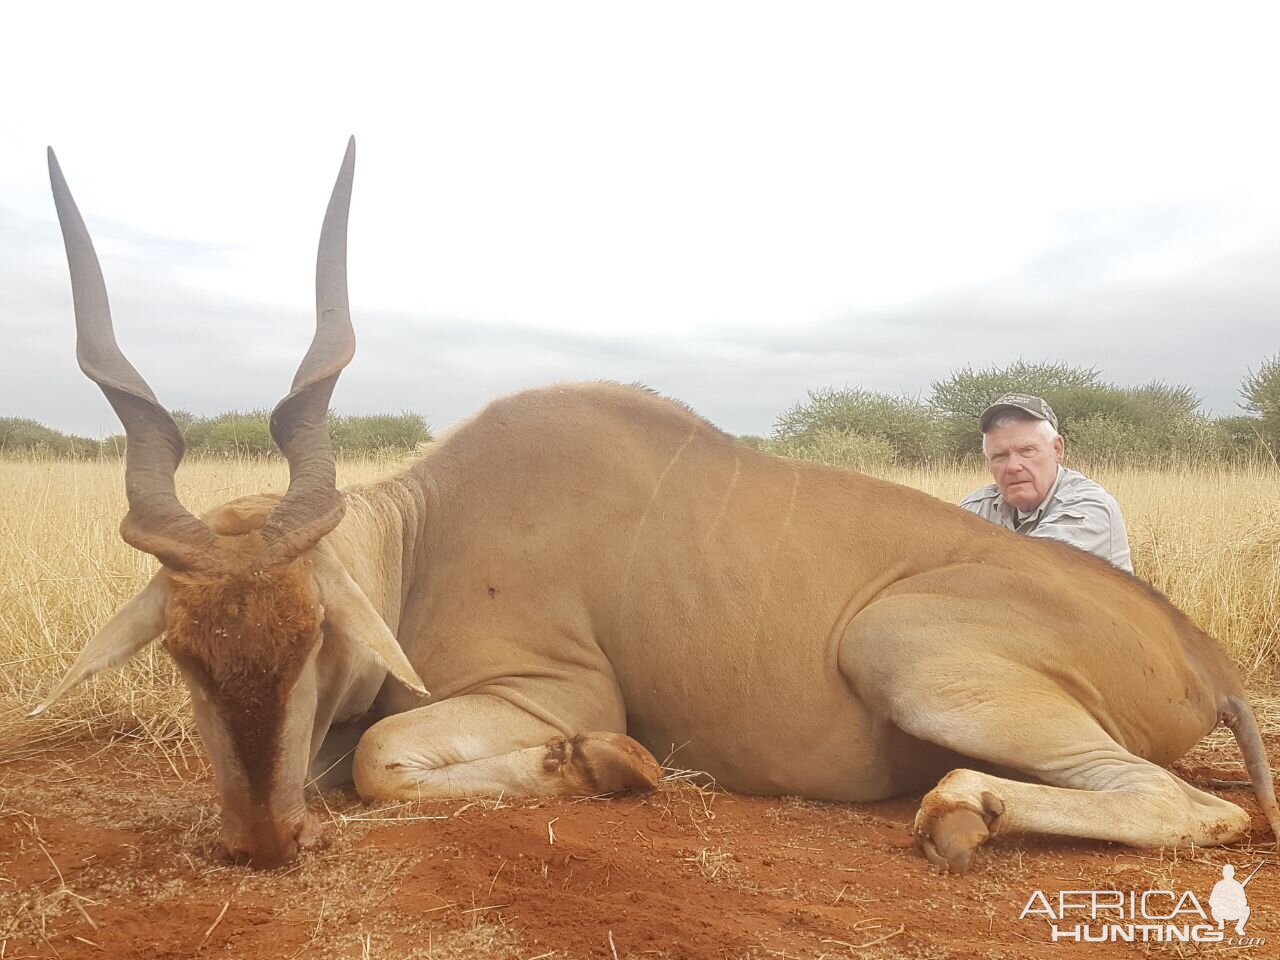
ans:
(105, 853)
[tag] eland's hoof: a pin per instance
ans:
(948, 828)
(594, 763)
(950, 841)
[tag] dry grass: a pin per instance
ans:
(1210, 539)
(64, 571)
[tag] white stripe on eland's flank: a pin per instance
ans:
(777, 545)
(724, 502)
(625, 585)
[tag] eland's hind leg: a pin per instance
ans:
(944, 688)
(1101, 793)
(483, 746)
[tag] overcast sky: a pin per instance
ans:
(732, 203)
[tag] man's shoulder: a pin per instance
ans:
(1076, 488)
(981, 495)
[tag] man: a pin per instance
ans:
(1228, 901)
(1034, 493)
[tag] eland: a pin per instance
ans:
(585, 576)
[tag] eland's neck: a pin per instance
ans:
(378, 541)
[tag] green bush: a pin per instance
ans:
(1157, 423)
(836, 448)
(960, 399)
(19, 436)
(1261, 393)
(1155, 407)
(902, 425)
(236, 431)
(378, 433)
(1243, 439)
(967, 392)
(248, 433)
(1196, 440)
(1153, 423)
(233, 434)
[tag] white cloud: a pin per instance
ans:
(733, 202)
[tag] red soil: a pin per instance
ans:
(105, 853)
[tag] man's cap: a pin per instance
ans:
(1033, 406)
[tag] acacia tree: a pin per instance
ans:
(961, 397)
(1261, 393)
(900, 427)
(967, 392)
(1150, 423)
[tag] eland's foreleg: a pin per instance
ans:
(483, 746)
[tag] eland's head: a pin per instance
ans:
(249, 596)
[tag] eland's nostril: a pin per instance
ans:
(271, 856)
(265, 857)
(308, 833)
(269, 843)
(231, 853)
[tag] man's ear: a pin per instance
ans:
(134, 626)
(1059, 447)
(348, 611)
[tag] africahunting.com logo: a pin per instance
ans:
(1148, 916)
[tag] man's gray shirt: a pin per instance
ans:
(1076, 511)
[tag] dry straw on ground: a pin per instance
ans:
(125, 829)
(64, 570)
(1208, 538)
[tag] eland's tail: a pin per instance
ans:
(1236, 713)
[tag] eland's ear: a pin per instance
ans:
(134, 626)
(348, 611)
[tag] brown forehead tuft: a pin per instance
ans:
(243, 622)
(244, 640)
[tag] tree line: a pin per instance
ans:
(235, 433)
(1157, 424)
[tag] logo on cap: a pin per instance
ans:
(1033, 406)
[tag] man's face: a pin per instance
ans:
(1023, 461)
